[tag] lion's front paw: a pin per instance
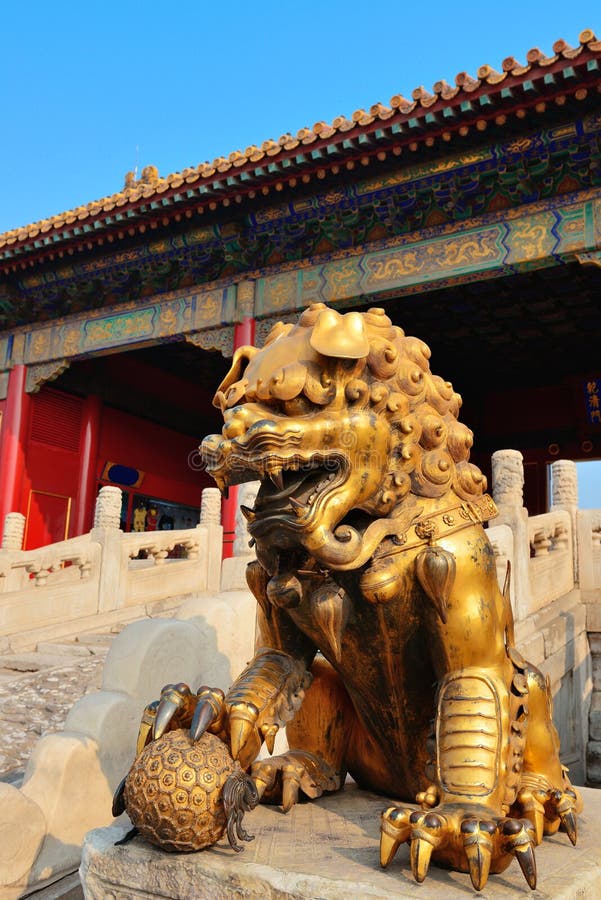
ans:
(471, 840)
(281, 778)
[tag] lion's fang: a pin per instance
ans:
(248, 513)
(277, 479)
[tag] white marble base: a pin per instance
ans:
(327, 849)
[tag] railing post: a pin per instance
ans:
(210, 519)
(508, 494)
(210, 507)
(14, 529)
(564, 488)
(247, 495)
(106, 530)
(233, 570)
(107, 512)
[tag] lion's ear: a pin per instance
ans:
(241, 359)
(341, 337)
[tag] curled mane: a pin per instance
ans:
(431, 447)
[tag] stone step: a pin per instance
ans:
(100, 638)
(68, 888)
(70, 648)
(57, 654)
(24, 663)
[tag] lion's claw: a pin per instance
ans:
(565, 804)
(427, 835)
(394, 831)
(478, 847)
(569, 824)
(550, 809)
(473, 843)
(209, 712)
(146, 726)
(291, 784)
(282, 778)
(519, 839)
(243, 726)
(172, 710)
(175, 705)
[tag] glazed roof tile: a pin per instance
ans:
(208, 176)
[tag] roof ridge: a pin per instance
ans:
(151, 183)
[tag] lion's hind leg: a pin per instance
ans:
(545, 794)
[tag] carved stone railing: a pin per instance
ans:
(543, 550)
(588, 525)
(54, 590)
(45, 587)
(501, 539)
(55, 564)
(163, 564)
(154, 548)
(551, 564)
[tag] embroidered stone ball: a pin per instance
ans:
(182, 795)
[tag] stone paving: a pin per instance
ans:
(34, 703)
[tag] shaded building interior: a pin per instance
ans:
(150, 408)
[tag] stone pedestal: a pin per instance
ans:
(326, 849)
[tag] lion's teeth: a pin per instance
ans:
(248, 513)
(298, 508)
(277, 479)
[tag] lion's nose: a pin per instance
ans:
(235, 422)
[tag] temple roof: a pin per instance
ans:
(429, 118)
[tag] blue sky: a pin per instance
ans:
(92, 89)
(589, 484)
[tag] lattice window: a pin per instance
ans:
(56, 419)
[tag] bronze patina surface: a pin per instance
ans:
(384, 643)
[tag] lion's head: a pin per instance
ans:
(342, 421)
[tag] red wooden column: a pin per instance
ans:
(86, 481)
(244, 335)
(12, 444)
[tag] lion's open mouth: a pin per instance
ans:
(292, 491)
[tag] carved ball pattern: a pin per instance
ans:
(173, 793)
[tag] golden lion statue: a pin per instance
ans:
(384, 642)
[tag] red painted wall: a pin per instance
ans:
(2, 408)
(52, 460)
(49, 494)
(168, 459)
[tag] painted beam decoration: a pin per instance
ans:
(545, 234)
(542, 237)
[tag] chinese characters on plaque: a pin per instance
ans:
(592, 393)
